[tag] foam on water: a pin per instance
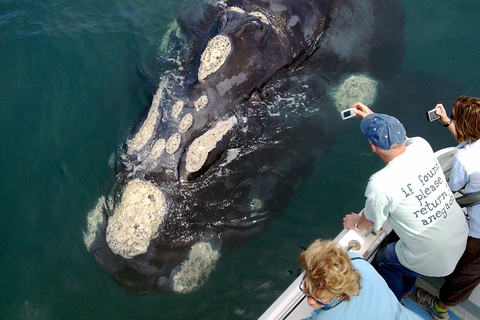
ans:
(94, 220)
(177, 108)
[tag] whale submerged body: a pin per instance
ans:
(248, 99)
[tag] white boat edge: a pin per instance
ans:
(292, 303)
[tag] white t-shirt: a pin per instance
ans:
(412, 193)
(466, 173)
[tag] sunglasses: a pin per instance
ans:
(330, 304)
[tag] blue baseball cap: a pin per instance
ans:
(385, 132)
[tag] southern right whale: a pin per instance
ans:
(248, 98)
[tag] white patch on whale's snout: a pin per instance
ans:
(201, 102)
(195, 270)
(200, 148)
(136, 219)
(356, 88)
(185, 123)
(173, 143)
(146, 131)
(260, 16)
(157, 149)
(214, 56)
(237, 9)
(94, 220)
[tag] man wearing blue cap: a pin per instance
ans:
(412, 194)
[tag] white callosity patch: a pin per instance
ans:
(157, 148)
(356, 88)
(199, 149)
(94, 220)
(214, 56)
(195, 270)
(177, 108)
(260, 16)
(237, 9)
(201, 102)
(136, 219)
(148, 127)
(185, 123)
(173, 143)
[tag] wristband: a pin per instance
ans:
(356, 225)
(448, 123)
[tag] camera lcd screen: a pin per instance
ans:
(348, 113)
(432, 115)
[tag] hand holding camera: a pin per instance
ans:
(357, 109)
(439, 113)
(348, 113)
(432, 115)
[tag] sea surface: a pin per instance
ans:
(74, 78)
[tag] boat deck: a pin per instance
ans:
(467, 310)
(412, 305)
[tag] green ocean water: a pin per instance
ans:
(75, 76)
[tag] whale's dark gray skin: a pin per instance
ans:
(248, 98)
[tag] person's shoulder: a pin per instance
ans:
(353, 254)
(418, 143)
(470, 146)
(468, 151)
(377, 179)
(416, 140)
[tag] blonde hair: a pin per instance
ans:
(328, 267)
(466, 112)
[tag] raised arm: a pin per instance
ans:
(361, 110)
(447, 122)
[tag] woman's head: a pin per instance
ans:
(329, 272)
(466, 113)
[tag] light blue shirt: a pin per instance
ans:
(375, 301)
(466, 173)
